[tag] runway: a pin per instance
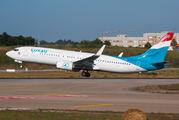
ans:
(86, 94)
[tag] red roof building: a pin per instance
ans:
(177, 45)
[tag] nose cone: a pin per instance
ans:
(8, 53)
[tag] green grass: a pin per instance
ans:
(56, 116)
(162, 116)
(173, 57)
(28, 115)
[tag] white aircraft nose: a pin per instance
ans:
(8, 53)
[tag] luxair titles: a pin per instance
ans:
(39, 50)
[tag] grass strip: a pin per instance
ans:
(70, 74)
(74, 115)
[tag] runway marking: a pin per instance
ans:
(10, 98)
(139, 81)
(92, 105)
(46, 102)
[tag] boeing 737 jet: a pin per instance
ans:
(76, 61)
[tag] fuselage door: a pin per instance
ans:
(25, 52)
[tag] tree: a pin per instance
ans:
(85, 42)
(107, 43)
(43, 42)
(75, 43)
(6, 39)
(97, 42)
(148, 45)
(59, 42)
(174, 42)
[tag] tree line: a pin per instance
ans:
(58, 42)
(8, 40)
(70, 42)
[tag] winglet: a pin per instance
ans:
(100, 50)
(120, 55)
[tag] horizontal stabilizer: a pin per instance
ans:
(168, 63)
(161, 63)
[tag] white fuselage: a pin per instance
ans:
(52, 56)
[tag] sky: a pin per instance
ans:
(78, 20)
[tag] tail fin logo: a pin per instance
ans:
(166, 37)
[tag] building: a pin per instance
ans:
(123, 40)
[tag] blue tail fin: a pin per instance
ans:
(158, 51)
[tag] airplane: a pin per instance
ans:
(75, 61)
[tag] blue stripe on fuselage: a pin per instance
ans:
(141, 63)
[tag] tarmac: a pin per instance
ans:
(86, 94)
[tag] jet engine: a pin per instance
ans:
(66, 65)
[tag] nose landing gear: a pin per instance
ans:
(85, 74)
(21, 66)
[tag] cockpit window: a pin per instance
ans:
(16, 49)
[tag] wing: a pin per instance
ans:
(88, 63)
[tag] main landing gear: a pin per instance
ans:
(85, 74)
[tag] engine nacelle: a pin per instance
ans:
(66, 65)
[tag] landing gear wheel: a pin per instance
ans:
(21, 66)
(85, 74)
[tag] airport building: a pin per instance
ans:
(124, 41)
